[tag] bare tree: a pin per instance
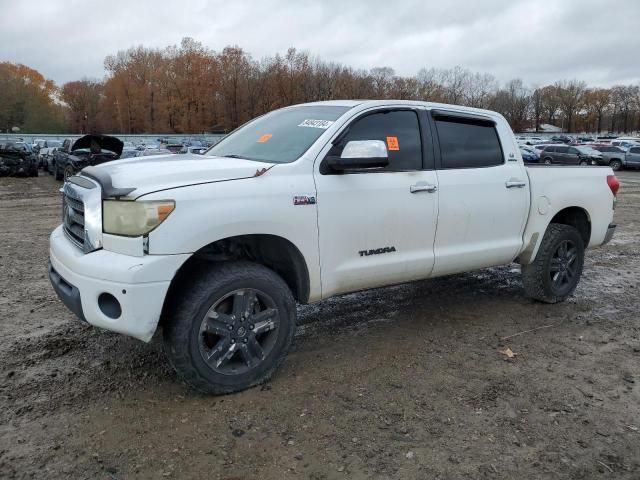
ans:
(571, 96)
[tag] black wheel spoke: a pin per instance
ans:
(255, 348)
(263, 321)
(555, 265)
(243, 303)
(217, 327)
(252, 352)
(221, 353)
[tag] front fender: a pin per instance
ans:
(210, 212)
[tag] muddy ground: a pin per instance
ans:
(399, 382)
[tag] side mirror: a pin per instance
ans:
(361, 154)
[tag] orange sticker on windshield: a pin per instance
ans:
(392, 143)
(265, 138)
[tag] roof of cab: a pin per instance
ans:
(372, 103)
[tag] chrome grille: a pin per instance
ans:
(73, 218)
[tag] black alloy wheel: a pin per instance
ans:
(239, 331)
(563, 267)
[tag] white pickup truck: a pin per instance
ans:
(304, 203)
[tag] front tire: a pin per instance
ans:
(231, 328)
(547, 161)
(556, 270)
(615, 165)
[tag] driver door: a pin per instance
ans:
(377, 226)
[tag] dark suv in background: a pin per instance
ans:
(570, 155)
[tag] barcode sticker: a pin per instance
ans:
(323, 124)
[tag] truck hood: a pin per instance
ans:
(162, 172)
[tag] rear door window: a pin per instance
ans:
(468, 144)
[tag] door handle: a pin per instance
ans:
(515, 184)
(423, 188)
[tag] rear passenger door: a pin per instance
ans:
(484, 193)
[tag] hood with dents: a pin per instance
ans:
(97, 143)
(161, 172)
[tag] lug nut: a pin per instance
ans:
(230, 327)
(245, 340)
(233, 340)
(251, 327)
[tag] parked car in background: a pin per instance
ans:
(17, 158)
(570, 155)
(529, 155)
(149, 152)
(46, 153)
(129, 153)
(89, 150)
(614, 157)
(624, 144)
(194, 149)
(561, 139)
(541, 146)
(632, 158)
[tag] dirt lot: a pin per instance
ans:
(400, 382)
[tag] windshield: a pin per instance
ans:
(279, 137)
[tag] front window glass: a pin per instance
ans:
(281, 136)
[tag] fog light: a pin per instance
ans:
(109, 305)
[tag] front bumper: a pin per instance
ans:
(138, 284)
(610, 231)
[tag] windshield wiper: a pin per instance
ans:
(241, 157)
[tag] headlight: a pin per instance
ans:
(132, 219)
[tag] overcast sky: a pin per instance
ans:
(540, 41)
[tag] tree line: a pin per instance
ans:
(192, 89)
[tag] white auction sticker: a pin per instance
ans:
(323, 124)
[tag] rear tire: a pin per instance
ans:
(215, 347)
(584, 163)
(547, 161)
(555, 272)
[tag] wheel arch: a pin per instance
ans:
(576, 217)
(573, 216)
(274, 252)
